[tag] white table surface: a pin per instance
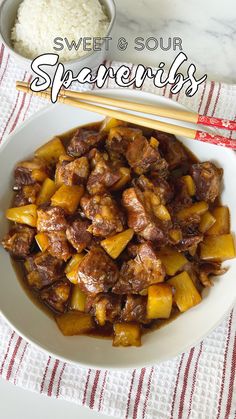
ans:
(207, 29)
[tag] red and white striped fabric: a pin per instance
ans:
(198, 384)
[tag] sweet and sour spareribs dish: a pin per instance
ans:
(117, 227)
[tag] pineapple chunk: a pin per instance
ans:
(222, 224)
(186, 294)
(172, 260)
(217, 248)
(51, 151)
(116, 244)
(175, 235)
(189, 182)
(65, 157)
(72, 268)
(207, 221)
(47, 191)
(26, 214)
(154, 142)
(100, 311)
(159, 303)
(74, 323)
(125, 178)
(68, 197)
(78, 299)
(197, 208)
(127, 334)
(162, 213)
(42, 241)
(110, 123)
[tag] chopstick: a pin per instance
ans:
(178, 114)
(134, 119)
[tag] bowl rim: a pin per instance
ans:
(28, 61)
(173, 353)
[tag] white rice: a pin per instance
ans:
(39, 22)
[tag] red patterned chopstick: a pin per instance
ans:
(216, 122)
(206, 137)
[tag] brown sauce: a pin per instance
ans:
(107, 330)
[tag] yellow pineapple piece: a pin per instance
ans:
(72, 268)
(186, 294)
(115, 245)
(125, 178)
(26, 214)
(198, 208)
(222, 223)
(42, 241)
(68, 197)
(189, 182)
(78, 299)
(51, 151)
(127, 334)
(217, 248)
(207, 221)
(47, 191)
(74, 323)
(159, 303)
(172, 260)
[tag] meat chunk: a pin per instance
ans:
(44, 269)
(59, 247)
(18, 241)
(207, 178)
(171, 149)
(181, 199)
(139, 273)
(51, 219)
(78, 235)
(29, 172)
(135, 309)
(27, 195)
(107, 219)
(188, 242)
(209, 269)
(141, 217)
(83, 140)
(103, 177)
(97, 272)
(119, 138)
(72, 173)
(56, 296)
(158, 185)
(110, 304)
(142, 157)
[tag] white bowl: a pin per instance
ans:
(33, 324)
(8, 12)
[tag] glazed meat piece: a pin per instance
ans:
(188, 242)
(43, 269)
(51, 219)
(207, 270)
(83, 141)
(107, 219)
(207, 178)
(139, 273)
(103, 176)
(142, 157)
(181, 199)
(59, 246)
(56, 296)
(18, 241)
(141, 217)
(171, 149)
(158, 185)
(27, 195)
(135, 309)
(78, 235)
(110, 304)
(72, 173)
(29, 172)
(97, 272)
(119, 138)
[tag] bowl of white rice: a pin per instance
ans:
(76, 30)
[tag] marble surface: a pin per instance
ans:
(207, 29)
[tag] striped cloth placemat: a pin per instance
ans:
(198, 384)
